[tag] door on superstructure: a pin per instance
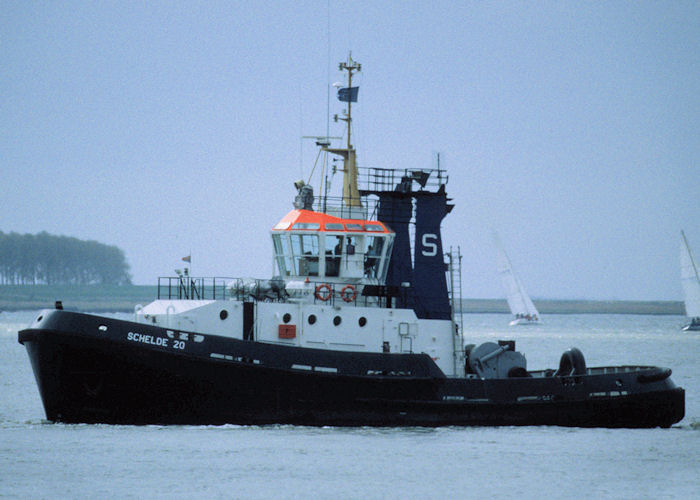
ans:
(407, 334)
(399, 335)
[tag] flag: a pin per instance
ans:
(348, 94)
(187, 259)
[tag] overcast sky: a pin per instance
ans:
(571, 128)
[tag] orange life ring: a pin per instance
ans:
(323, 292)
(351, 294)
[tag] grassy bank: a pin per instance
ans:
(580, 306)
(95, 298)
(88, 298)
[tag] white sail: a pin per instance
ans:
(690, 280)
(518, 300)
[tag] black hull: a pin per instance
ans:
(88, 375)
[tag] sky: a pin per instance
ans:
(175, 128)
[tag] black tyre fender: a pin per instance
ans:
(572, 363)
(655, 376)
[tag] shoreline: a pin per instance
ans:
(584, 306)
(84, 298)
(99, 298)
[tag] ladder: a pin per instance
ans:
(454, 268)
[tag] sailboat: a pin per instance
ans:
(690, 279)
(524, 311)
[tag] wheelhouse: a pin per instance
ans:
(315, 244)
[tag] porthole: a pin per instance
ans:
(287, 317)
(223, 314)
(362, 321)
(337, 320)
(39, 318)
(312, 319)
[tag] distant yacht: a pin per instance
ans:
(690, 279)
(524, 311)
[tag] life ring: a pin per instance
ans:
(323, 292)
(348, 293)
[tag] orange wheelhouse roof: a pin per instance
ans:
(308, 220)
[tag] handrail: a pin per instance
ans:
(192, 288)
(249, 289)
(376, 182)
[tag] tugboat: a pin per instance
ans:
(359, 327)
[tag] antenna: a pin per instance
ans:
(351, 193)
(350, 66)
(328, 69)
(323, 142)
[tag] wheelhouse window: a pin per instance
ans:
(333, 251)
(283, 254)
(374, 228)
(384, 266)
(305, 249)
(311, 226)
(373, 256)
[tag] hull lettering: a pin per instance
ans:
(147, 339)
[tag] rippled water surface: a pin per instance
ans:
(44, 460)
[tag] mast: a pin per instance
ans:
(351, 193)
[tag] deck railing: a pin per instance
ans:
(274, 290)
(372, 182)
(191, 288)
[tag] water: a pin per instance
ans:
(42, 460)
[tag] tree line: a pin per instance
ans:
(47, 259)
